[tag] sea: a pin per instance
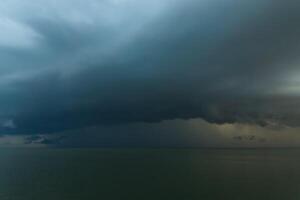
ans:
(149, 174)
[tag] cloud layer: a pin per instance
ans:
(73, 64)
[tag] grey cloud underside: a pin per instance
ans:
(37, 139)
(220, 61)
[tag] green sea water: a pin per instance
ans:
(149, 174)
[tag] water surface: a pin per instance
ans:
(154, 174)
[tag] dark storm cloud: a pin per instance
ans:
(130, 61)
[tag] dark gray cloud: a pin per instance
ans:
(44, 140)
(113, 62)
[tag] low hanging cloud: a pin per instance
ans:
(170, 133)
(90, 63)
(7, 123)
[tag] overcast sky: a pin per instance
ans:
(149, 73)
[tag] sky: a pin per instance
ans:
(160, 73)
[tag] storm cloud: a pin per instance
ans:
(74, 64)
